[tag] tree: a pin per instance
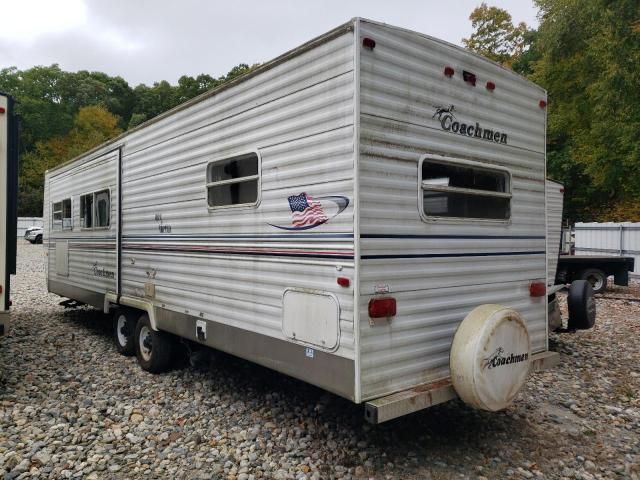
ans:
(66, 113)
(590, 51)
(91, 126)
(495, 36)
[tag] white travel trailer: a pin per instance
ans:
(8, 205)
(365, 213)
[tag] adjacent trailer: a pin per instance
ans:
(365, 213)
(8, 204)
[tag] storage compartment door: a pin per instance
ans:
(62, 258)
(311, 317)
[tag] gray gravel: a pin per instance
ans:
(71, 407)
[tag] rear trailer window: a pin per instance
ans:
(457, 189)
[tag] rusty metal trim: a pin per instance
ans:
(408, 401)
(543, 361)
(427, 395)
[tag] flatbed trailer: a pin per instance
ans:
(594, 268)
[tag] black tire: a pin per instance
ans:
(154, 349)
(124, 331)
(596, 277)
(582, 306)
(38, 239)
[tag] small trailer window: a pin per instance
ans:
(233, 181)
(464, 190)
(62, 215)
(95, 209)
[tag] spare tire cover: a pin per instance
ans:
(490, 357)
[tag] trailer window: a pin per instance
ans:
(61, 215)
(461, 190)
(233, 181)
(95, 209)
(102, 208)
(86, 210)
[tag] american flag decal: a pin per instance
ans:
(306, 211)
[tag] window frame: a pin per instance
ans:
(61, 228)
(93, 209)
(487, 193)
(248, 178)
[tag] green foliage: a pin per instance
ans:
(91, 126)
(590, 52)
(586, 54)
(495, 36)
(66, 113)
(152, 101)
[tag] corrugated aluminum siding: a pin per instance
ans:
(554, 227)
(401, 82)
(615, 239)
(87, 247)
(232, 265)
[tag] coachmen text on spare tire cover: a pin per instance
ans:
(490, 357)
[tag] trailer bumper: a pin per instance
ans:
(424, 396)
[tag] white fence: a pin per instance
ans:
(616, 239)
(24, 222)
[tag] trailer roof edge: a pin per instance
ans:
(305, 47)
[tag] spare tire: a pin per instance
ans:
(582, 305)
(490, 357)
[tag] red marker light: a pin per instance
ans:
(369, 43)
(344, 281)
(448, 72)
(491, 86)
(537, 289)
(469, 77)
(543, 104)
(2, 110)
(382, 307)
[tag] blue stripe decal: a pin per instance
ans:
(248, 254)
(451, 255)
(453, 237)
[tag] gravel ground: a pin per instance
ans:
(71, 407)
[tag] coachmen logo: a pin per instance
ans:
(497, 359)
(449, 123)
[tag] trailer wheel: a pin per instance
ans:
(582, 306)
(124, 331)
(38, 239)
(154, 349)
(596, 277)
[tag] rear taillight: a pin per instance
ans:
(537, 289)
(382, 307)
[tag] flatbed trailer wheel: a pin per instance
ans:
(596, 277)
(154, 349)
(124, 330)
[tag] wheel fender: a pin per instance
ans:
(490, 357)
(133, 302)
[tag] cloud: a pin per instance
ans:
(150, 40)
(30, 20)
